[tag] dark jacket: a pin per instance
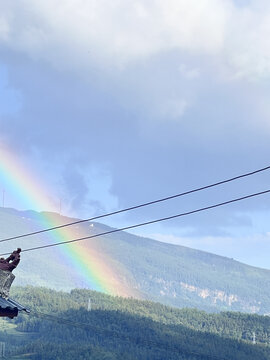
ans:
(10, 263)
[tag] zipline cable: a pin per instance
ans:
(138, 206)
(147, 222)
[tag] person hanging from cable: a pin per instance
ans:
(8, 307)
(11, 262)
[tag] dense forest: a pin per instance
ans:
(69, 326)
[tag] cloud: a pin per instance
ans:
(114, 32)
(189, 73)
(247, 48)
(156, 67)
(173, 109)
(4, 28)
(63, 115)
(10, 99)
(251, 249)
(76, 34)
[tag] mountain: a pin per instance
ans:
(61, 327)
(173, 275)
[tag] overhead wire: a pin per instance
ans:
(88, 326)
(138, 206)
(147, 222)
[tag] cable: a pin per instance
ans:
(146, 223)
(138, 206)
(116, 334)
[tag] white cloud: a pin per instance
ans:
(189, 73)
(4, 29)
(116, 31)
(250, 249)
(73, 33)
(247, 47)
(173, 109)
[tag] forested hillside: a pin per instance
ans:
(61, 327)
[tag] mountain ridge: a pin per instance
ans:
(172, 274)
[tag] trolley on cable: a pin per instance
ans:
(8, 307)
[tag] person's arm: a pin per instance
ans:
(14, 255)
(14, 263)
(11, 257)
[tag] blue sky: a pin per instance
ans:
(115, 103)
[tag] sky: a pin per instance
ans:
(116, 103)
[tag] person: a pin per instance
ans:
(11, 262)
(8, 307)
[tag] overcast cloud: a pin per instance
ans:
(77, 33)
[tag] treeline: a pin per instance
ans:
(60, 327)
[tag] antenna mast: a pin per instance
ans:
(89, 307)
(254, 338)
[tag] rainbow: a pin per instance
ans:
(90, 264)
